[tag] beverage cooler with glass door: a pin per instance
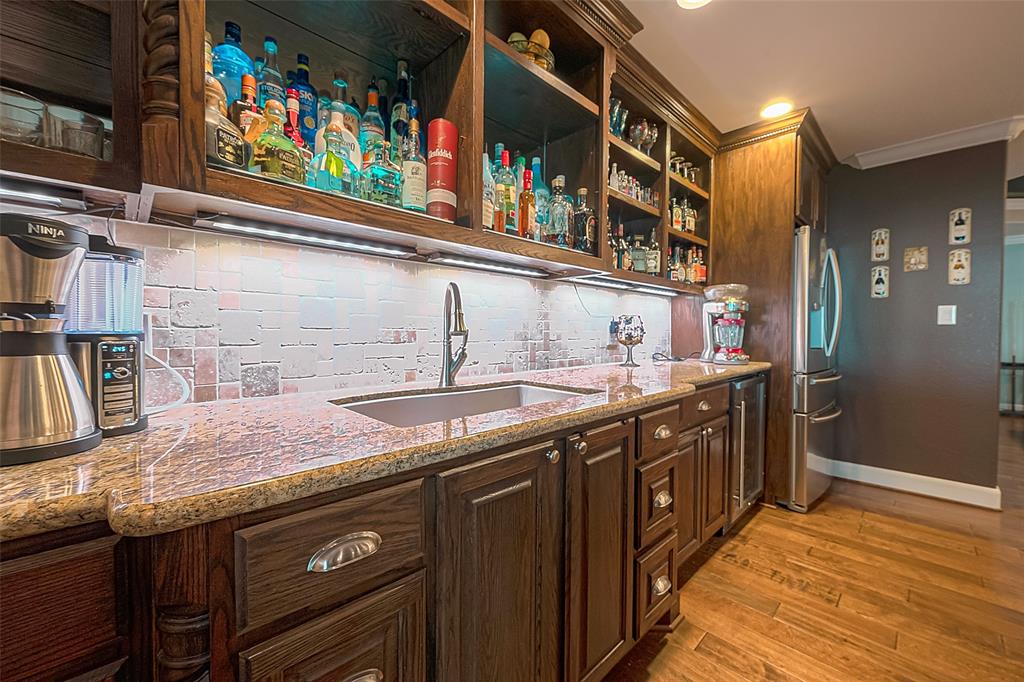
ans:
(747, 449)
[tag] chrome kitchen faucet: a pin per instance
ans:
(453, 326)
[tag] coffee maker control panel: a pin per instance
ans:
(119, 383)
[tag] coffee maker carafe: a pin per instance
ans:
(723, 324)
(44, 410)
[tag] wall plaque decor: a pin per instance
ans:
(880, 244)
(880, 281)
(960, 226)
(915, 258)
(960, 266)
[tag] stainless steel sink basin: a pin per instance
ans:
(426, 408)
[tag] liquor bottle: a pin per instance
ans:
(291, 123)
(584, 223)
(677, 215)
(414, 172)
(224, 143)
(274, 154)
(624, 250)
(498, 149)
(257, 67)
(702, 269)
(505, 187)
(613, 177)
(689, 216)
(618, 246)
(332, 170)
(653, 254)
(271, 85)
(560, 228)
(383, 108)
(488, 197)
(323, 120)
(382, 180)
(246, 114)
(638, 254)
(519, 169)
(527, 208)
(543, 195)
(348, 115)
(230, 62)
(371, 127)
(400, 112)
(307, 101)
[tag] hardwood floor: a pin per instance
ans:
(872, 585)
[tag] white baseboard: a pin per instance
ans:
(955, 491)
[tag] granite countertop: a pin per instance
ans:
(208, 461)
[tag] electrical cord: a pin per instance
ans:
(662, 357)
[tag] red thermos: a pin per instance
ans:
(442, 160)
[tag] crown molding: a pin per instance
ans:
(994, 131)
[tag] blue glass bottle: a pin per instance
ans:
(230, 62)
(271, 84)
(542, 194)
(307, 101)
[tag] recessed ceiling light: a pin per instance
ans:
(692, 4)
(776, 109)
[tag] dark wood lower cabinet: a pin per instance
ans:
(688, 497)
(714, 476)
(378, 638)
(499, 559)
(599, 465)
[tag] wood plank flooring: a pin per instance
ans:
(872, 585)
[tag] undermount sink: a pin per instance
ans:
(426, 408)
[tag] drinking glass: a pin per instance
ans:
(21, 117)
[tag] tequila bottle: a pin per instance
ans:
(505, 186)
(307, 101)
(332, 170)
(527, 215)
(584, 223)
(542, 193)
(274, 154)
(638, 254)
(488, 196)
(347, 114)
(689, 216)
(271, 84)
(414, 172)
(382, 180)
(371, 127)
(677, 215)
(230, 62)
(246, 114)
(224, 143)
(653, 254)
(559, 229)
(400, 116)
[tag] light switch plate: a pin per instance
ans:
(947, 314)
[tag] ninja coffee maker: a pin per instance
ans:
(723, 324)
(44, 409)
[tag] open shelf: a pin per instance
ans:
(630, 208)
(631, 159)
(41, 162)
(690, 187)
(642, 278)
(687, 237)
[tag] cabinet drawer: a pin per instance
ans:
(655, 584)
(704, 405)
(658, 433)
(324, 555)
(657, 487)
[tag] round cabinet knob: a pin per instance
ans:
(553, 455)
(582, 447)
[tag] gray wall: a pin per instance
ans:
(918, 397)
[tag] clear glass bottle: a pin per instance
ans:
(274, 154)
(224, 143)
(518, 170)
(542, 194)
(347, 114)
(584, 223)
(677, 214)
(414, 172)
(559, 230)
(400, 117)
(653, 254)
(371, 127)
(498, 149)
(271, 85)
(332, 170)
(488, 195)
(638, 254)
(505, 186)
(230, 62)
(246, 114)
(527, 215)
(308, 101)
(689, 216)
(382, 180)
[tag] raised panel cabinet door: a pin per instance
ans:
(499, 567)
(378, 638)
(714, 469)
(806, 185)
(688, 495)
(599, 468)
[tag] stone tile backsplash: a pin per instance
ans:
(242, 318)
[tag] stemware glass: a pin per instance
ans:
(614, 105)
(638, 131)
(650, 139)
(630, 332)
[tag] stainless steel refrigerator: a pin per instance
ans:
(817, 318)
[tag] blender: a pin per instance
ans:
(723, 324)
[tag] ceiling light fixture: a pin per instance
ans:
(485, 265)
(692, 4)
(312, 239)
(775, 109)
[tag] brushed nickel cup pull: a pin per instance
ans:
(662, 500)
(372, 675)
(582, 447)
(343, 551)
(662, 432)
(553, 455)
(661, 586)
(703, 406)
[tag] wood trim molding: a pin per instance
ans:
(614, 21)
(801, 120)
(955, 491)
(994, 131)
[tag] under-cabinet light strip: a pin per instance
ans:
(484, 265)
(41, 199)
(329, 242)
(669, 293)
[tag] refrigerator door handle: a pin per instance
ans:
(827, 418)
(743, 454)
(814, 381)
(837, 284)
